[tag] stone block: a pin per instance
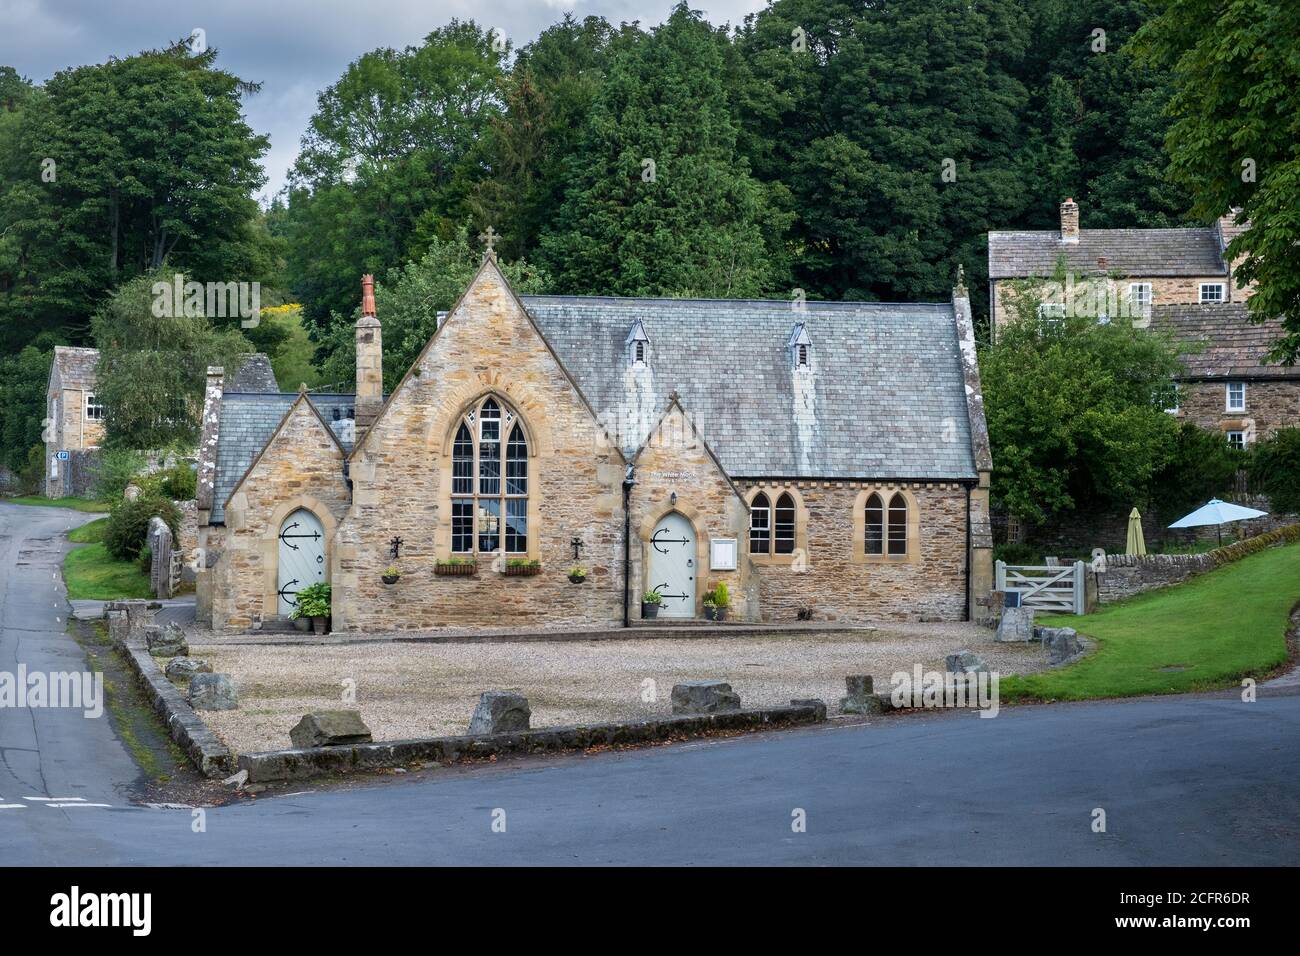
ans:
(213, 692)
(704, 697)
(816, 703)
(1061, 644)
(866, 705)
(500, 712)
(965, 662)
(184, 668)
(166, 641)
(859, 685)
(1016, 626)
(330, 728)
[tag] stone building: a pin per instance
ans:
(1133, 269)
(75, 423)
(1229, 386)
(826, 461)
(74, 429)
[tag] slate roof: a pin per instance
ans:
(255, 375)
(76, 366)
(1224, 342)
(249, 419)
(883, 396)
(1131, 252)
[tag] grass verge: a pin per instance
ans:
(76, 504)
(1209, 632)
(91, 573)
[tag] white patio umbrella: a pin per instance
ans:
(1218, 513)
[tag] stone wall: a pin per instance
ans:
(401, 474)
(676, 461)
(1270, 405)
(1165, 290)
(834, 583)
(301, 466)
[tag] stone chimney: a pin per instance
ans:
(1069, 221)
(370, 357)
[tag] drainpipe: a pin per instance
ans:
(966, 613)
(629, 480)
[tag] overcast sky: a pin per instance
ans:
(295, 48)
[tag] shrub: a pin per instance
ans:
(146, 560)
(116, 468)
(1202, 467)
(1276, 469)
(313, 601)
(128, 524)
(178, 483)
(31, 479)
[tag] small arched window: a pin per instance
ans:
(898, 525)
(875, 525)
(760, 525)
(490, 445)
(803, 355)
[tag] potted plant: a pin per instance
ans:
(300, 621)
(578, 574)
(392, 574)
(314, 603)
(716, 602)
(458, 567)
(522, 568)
(650, 602)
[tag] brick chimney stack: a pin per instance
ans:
(1069, 221)
(370, 357)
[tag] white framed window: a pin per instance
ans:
(772, 526)
(1140, 298)
(94, 409)
(489, 514)
(1237, 439)
(1174, 395)
(1212, 292)
(1051, 311)
(1236, 397)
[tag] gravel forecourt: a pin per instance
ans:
(407, 690)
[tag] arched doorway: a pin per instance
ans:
(672, 570)
(302, 558)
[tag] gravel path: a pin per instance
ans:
(421, 690)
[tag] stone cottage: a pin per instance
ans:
(74, 428)
(1139, 268)
(826, 461)
(1228, 385)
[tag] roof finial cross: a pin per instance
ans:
(490, 238)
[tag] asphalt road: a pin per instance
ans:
(1204, 780)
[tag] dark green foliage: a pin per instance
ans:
(1236, 111)
(23, 378)
(1202, 466)
(128, 524)
(1275, 469)
(178, 483)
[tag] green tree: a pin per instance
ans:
(119, 168)
(1203, 466)
(1276, 469)
(23, 378)
(408, 306)
(658, 200)
(1236, 111)
(1076, 411)
(387, 162)
(152, 368)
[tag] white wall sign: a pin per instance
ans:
(722, 554)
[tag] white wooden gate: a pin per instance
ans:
(672, 565)
(302, 557)
(1058, 589)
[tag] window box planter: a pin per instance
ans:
(460, 569)
(524, 570)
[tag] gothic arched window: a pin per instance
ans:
(760, 525)
(875, 525)
(898, 524)
(490, 445)
(783, 540)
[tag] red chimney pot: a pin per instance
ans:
(367, 295)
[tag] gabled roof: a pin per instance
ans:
(883, 395)
(250, 419)
(1223, 342)
(1132, 252)
(76, 367)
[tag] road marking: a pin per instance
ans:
(13, 806)
(67, 806)
(56, 799)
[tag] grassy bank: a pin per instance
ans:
(1207, 633)
(76, 504)
(91, 573)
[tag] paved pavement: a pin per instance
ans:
(1184, 780)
